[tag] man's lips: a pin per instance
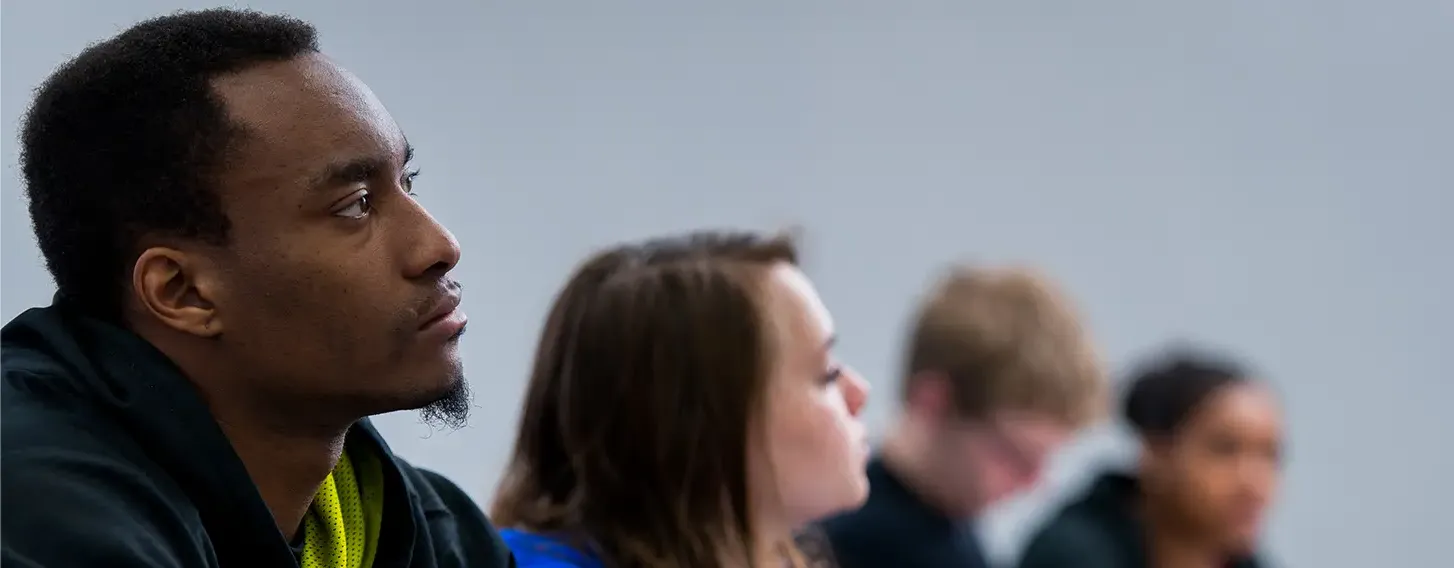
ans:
(444, 309)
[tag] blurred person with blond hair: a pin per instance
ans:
(999, 373)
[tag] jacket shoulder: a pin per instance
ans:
(456, 525)
(71, 477)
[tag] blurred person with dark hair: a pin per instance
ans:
(244, 276)
(1211, 452)
(999, 372)
(685, 410)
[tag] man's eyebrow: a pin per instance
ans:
(352, 171)
(358, 170)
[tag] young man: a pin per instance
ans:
(243, 278)
(999, 374)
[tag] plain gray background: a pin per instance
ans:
(1269, 176)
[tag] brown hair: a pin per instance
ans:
(1007, 339)
(633, 439)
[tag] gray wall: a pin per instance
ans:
(1273, 177)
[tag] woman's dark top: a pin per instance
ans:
(1101, 530)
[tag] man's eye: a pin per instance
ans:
(357, 209)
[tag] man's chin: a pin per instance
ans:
(448, 408)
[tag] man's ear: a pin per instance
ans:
(930, 395)
(178, 289)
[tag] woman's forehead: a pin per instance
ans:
(797, 312)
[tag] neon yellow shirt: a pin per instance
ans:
(341, 529)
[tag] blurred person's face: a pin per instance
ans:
(991, 460)
(1221, 470)
(812, 450)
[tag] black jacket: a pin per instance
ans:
(112, 459)
(897, 529)
(1101, 530)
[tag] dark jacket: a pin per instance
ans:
(112, 459)
(897, 529)
(1101, 530)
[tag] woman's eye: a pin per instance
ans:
(833, 374)
(357, 209)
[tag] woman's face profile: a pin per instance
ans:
(1223, 466)
(810, 452)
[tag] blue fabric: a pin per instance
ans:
(545, 551)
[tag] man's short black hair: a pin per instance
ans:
(124, 141)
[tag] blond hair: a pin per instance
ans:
(1008, 340)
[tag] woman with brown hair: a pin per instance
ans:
(685, 410)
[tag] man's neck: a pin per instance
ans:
(287, 458)
(287, 469)
(907, 452)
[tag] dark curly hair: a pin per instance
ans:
(1167, 390)
(124, 141)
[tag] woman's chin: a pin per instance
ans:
(857, 493)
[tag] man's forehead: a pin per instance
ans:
(308, 108)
